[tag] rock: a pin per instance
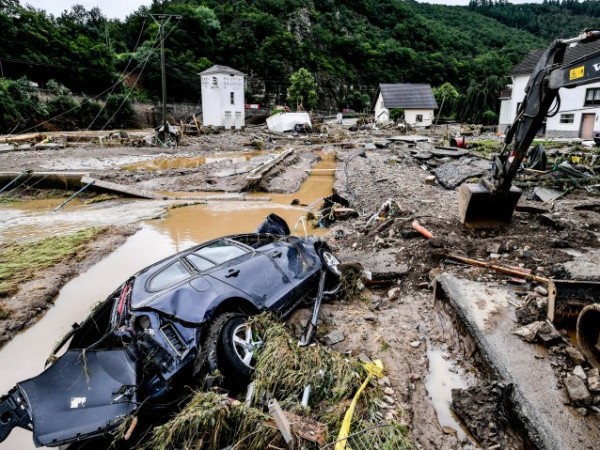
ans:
(334, 337)
(390, 415)
(449, 430)
(575, 355)
(576, 389)
(430, 180)
(388, 391)
(364, 358)
(370, 318)
(541, 290)
(389, 400)
(452, 174)
(529, 332)
(415, 344)
(384, 381)
(549, 335)
(593, 380)
(393, 293)
(580, 373)
(493, 247)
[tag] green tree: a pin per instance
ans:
(446, 97)
(303, 90)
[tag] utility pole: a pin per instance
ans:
(162, 20)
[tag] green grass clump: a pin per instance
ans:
(21, 262)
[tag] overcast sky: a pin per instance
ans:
(122, 8)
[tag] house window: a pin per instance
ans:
(592, 97)
(419, 118)
(231, 98)
(215, 82)
(567, 118)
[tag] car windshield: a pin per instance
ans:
(219, 252)
(170, 275)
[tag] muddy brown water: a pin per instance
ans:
(191, 162)
(443, 376)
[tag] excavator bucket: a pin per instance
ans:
(481, 209)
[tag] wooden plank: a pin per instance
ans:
(128, 190)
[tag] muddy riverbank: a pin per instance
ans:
(398, 321)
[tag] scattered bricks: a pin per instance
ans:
(594, 380)
(576, 389)
(575, 356)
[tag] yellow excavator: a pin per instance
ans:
(491, 202)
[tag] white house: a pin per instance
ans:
(579, 109)
(416, 100)
(222, 97)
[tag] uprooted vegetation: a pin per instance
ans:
(21, 262)
(211, 420)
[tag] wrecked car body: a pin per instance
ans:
(163, 328)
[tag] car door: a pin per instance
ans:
(251, 272)
(296, 262)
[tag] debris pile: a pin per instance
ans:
(306, 389)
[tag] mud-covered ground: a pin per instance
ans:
(397, 321)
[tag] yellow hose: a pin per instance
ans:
(375, 369)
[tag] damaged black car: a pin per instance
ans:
(167, 326)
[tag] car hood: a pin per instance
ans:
(81, 395)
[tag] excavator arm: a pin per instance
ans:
(491, 203)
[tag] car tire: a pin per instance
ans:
(330, 262)
(236, 350)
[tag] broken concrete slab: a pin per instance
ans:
(538, 404)
(410, 138)
(449, 151)
(546, 195)
(453, 174)
(127, 190)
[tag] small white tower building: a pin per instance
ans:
(222, 97)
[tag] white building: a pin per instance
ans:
(222, 97)
(416, 100)
(579, 109)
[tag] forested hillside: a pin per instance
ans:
(348, 45)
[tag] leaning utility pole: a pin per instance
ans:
(162, 20)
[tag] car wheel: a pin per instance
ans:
(330, 262)
(236, 349)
